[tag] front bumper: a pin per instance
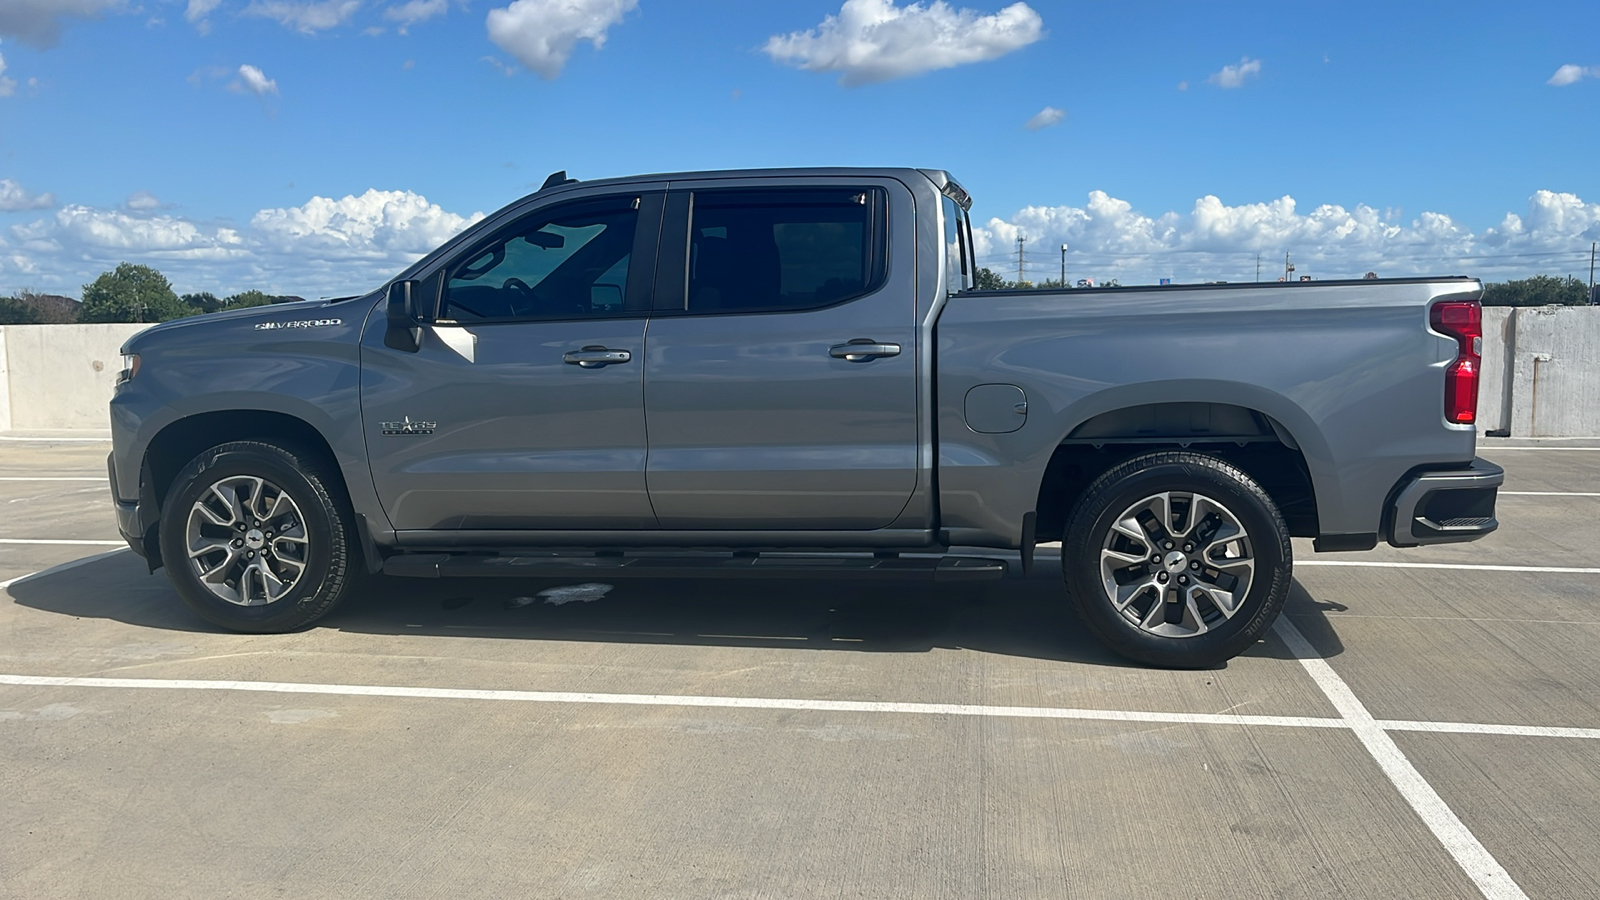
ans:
(128, 521)
(1446, 507)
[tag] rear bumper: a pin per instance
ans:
(1446, 507)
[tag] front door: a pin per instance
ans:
(781, 377)
(524, 406)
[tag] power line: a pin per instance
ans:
(1376, 258)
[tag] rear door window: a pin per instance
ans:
(784, 249)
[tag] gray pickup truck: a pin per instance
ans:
(788, 373)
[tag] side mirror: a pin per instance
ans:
(404, 331)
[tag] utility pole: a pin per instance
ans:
(1258, 265)
(1064, 270)
(1592, 247)
(1288, 268)
(1021, 239)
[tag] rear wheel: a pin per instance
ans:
(254, 538)
(1177, 559)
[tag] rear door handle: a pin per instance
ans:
(596, 357)
(863, 350)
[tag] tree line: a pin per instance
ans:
(134, 293)
(128, 293)
(1540, 290)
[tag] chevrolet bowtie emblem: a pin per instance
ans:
(406, 426)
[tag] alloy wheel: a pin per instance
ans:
(247, 540)
(1177, 564)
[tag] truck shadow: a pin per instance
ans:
(1026, 617)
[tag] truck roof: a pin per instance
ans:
(939, 177)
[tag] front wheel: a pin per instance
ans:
(254, 539)
(1177, 559)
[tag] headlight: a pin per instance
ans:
(130, 368)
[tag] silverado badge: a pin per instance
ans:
(406, 426)
(302, 323)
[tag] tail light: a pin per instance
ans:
(1462, 320)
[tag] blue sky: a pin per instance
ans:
(365, 131)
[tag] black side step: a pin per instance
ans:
(899, 568)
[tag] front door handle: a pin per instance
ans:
(863, 350)
(596, 357)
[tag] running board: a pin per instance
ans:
(894, 568)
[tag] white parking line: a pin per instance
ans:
(1493, 450)
(1492, 879)
(63, 542)
(27, 439)
(1549, 494)
(1474, 728)
(1329, 614)
(53, 478)
(1465, 567)
(859, 706)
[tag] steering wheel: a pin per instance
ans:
(524, 304)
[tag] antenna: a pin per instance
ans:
(557, 179)
(1021, 239)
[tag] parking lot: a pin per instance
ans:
(1424, 723)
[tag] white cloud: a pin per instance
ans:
(328, 246)
(1234, 76)
(85, 232)
(875, 40)
(413, 11)
(542, 33)
(397, 225)
(197, 12)
(1571, 74)
(14, 197)
(303, 16)
(321, 248)
(140, 201)
(1044, 118)
(255, 81)
(8, 86)
(1212, 241)
(38, 22)
(199, 9)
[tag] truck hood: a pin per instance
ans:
(304, 314)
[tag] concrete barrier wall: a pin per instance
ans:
(1541, 373)
(1555, 370)
(1494, 390)
(60, 377)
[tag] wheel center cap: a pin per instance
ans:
(1174, 561)
(254, 539)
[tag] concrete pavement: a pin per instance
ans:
(797, 740)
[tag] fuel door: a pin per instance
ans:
(996, 408)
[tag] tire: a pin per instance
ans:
(304, 501)
(1237, 545)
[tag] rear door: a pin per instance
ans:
(524, 407)
(780, 370)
